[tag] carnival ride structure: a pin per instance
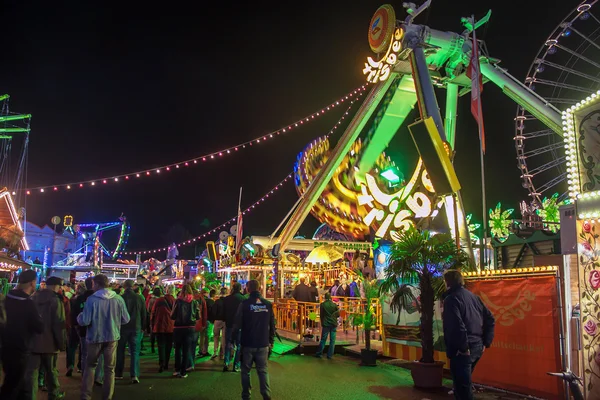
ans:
(353, 186)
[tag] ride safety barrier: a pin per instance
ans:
(303, 318)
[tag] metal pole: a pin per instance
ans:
(456, 230)
(482, 257)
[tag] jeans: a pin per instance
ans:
(204, 340)
(259, 356)
(230, 343)
(165, 345)
(133, 340)
(461, 368)
(109, 351)
(34, 363)
(14, 364)
(219, 337)
(72, 347)
(195, 337)
(330, 331)
(183, 346)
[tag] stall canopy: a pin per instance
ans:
(325, 254)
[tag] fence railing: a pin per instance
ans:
(302, 318)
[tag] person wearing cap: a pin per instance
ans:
(22, 322)
(103, 314)
(131, 333)
(48, 343)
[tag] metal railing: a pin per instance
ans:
(300, 317)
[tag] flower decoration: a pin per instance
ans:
(594, 279)
(590, 328)
(472, 229)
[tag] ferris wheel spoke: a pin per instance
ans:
(569, 70)
(576, 54)
(550, 184)
(561, 100)
(542, 150)
(584, 37)
(534, 134)
(562, 85)
(545, 167)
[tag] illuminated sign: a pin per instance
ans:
(389, 214)
(379, 71)
(346, 245)
(582, 146)
(68, 221)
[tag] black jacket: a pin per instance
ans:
(302, 293)
(185, 313)
(231, 304)
(53, 338)
(466, 321)
(22, 322)
(256, 320)
(218, 309)
(210, 309)
(77, 304)
(136, 307)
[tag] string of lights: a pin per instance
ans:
(247, 210)
(197, 160)
(218, 228)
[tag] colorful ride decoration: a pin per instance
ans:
(353, 207)
(90, 231)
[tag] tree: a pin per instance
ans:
(419, 259)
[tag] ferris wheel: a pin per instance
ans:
(565, 71)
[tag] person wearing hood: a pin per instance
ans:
(131, 333)
(47, 344)
(23, 322)
(185, 314)
(103, 314)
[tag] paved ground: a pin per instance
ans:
(293, 377)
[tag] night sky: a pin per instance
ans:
(115, 88)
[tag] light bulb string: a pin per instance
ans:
(247, 210)
(203, 158)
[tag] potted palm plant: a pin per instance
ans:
(367, 319)
(417, 261)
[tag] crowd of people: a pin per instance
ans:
(96, 321)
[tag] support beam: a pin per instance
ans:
(402, 103)
(450, 127)
(317, 186)
(14, 130)
(14, 117)
(525, 97)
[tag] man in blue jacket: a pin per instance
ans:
(468, 331)
(256, 321)
(103, 314)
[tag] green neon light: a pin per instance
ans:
(391, 175)
(500, 222)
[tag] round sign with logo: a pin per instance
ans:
(381, 28)
(55, 220)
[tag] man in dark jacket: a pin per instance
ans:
(22, 322)
(329, 313)
(47, 344)
(256, 321)
(230, 305)
(131, 333)
(302, 292)
(468, 331)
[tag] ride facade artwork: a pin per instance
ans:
(346, 186)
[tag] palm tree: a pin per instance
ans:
(418, 260)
